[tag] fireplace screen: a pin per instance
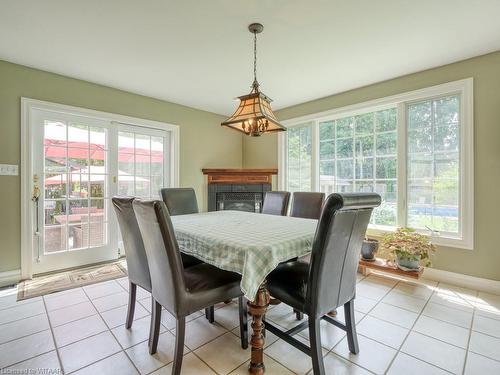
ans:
(240, 201)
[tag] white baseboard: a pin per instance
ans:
(465, 281)
(10, 277)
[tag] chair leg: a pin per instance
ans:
(154, 331)
(179, 345)
(210, 314)
(315, 342)
(352, 337)
(299, 315)
(243, 322)
(132, 291)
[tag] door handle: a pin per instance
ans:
(35, 197)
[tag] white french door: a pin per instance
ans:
(77, 164)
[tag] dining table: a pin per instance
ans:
(252, 245)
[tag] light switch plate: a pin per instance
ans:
(9, 170)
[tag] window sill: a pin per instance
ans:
(455, 242)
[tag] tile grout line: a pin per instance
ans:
(112, 334)
(330, 351)
(274, 359)
(419, 315)
(408, 334)
(470, 335)
(428, 316)
(53, 336)
(29, 334)
(206, 343)
(22, 304)
(366, 314)
(411, 330)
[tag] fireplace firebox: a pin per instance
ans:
(238, 189)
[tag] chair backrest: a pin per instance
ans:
(137, 264)
(276, 203)
(336, 248)
(162, 250)
(180, 201)
(307, 205)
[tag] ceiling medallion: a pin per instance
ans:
(254, 115)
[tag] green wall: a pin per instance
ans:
(203, 142)
(484, 260)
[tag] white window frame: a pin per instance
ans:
(27, 107)
(464, 88)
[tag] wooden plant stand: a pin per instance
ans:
(389, 267)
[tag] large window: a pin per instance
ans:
(299, 158)
(433, 164)
(358, 154)
(414, 149)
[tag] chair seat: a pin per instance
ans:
(189, 261)
(207, 285)
(288, 283)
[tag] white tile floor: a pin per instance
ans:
(403, 328)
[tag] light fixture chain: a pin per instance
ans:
(255, 57)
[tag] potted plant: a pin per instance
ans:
(369, 249)
(409, 248)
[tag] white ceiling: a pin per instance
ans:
(199, 52)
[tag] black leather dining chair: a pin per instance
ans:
(276, 203)
(307, 205)
(181, 291)
(137, 264)
(329, 280)
(180, 201)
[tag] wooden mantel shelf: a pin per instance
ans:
(239, 176)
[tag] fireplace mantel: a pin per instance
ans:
(239, 176)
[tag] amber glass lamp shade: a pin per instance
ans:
(254, 116)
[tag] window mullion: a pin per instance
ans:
(402, 180)
(315, 183)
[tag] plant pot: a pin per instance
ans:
(407, 263)
(369, 249)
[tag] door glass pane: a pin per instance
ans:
(78, 185)
(142, 187)
(157, 157)
(433, 164)
(98, 138)
(75, 168)
(78, 211)
(97, 186)
(140, 164)
(55, 239)
(97, 210)
(55, 133)
(126, 142)
(78, 236)
(54, 212)
(142, 144)
(55, 185)
(78, 136)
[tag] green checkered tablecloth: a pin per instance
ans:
(248, 243)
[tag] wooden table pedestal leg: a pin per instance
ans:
(258, 309)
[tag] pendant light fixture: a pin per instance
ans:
(254, 115)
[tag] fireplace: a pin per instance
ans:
(240, 201)
(238, 189)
